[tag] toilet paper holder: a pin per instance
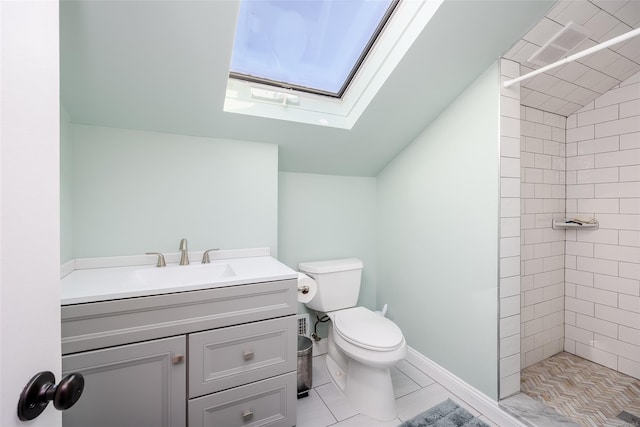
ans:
(307, 288)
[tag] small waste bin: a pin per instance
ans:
(305, 346)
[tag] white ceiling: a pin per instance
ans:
(568, 88)
(163, 65)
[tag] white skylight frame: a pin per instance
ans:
(407, 22)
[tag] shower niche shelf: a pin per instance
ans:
(574, 224)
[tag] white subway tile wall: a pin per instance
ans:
(543, 192)
(510, 193)
(602, 292)
(577, 290)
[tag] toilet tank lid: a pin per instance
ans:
(330, 266)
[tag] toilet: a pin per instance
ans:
(363, 345)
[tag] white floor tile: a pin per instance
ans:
(326, 406)
(415, 374)
(312, 412)
(364, 421)
(336, 402)
(402, 384)
(412, 404)
(419, 401)
(319, 373)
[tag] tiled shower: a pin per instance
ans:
(572, 290)
(602, 267)
(542, 162)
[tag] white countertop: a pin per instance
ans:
(102, 284)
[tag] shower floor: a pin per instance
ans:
(587, 393)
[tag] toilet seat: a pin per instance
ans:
(366, 329)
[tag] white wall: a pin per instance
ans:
(603, 266)
(438, 236)
(543, 198)
(324, 217)
(136, 191)
(29, 202)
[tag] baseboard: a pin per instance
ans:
(480, 401)
(67, 268)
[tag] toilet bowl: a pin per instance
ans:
(362, 345)
(368, 337)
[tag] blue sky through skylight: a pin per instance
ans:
(305, 43)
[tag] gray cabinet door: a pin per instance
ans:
(135, 385)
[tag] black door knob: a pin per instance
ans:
(68, 391)
(42, 388)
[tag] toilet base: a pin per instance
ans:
(368, 389)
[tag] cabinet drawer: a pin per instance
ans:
(229, 357)
(107, 323)
(269, 402)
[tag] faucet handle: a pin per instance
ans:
(184, 255)
(161, 262)
(205, 255)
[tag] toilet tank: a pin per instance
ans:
(338, 283)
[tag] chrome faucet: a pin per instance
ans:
(184, 255)
(161, 262)
(205, 256)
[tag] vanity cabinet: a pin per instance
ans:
(221, 357)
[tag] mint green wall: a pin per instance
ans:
(327, 217)
(66, 183)
(137, 191)
(426, 227)
(438, 237)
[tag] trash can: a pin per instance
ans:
(305, 345)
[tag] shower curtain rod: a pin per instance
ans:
(575, 56)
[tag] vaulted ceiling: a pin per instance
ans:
(569, 87)
(163, 66)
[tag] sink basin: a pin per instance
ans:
(195, 274)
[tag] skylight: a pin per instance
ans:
(350, 76)
(309, 45)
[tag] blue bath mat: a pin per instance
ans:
(445, 414)
(630, 418)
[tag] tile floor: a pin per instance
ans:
(415, 392)
(585, 392)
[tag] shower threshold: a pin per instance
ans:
(534, 413)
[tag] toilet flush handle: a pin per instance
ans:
(383, 312)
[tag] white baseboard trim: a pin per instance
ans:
(478, 400)
(67, 268)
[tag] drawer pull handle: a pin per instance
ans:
(177, 359)
(247, 355)
(247, 414)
